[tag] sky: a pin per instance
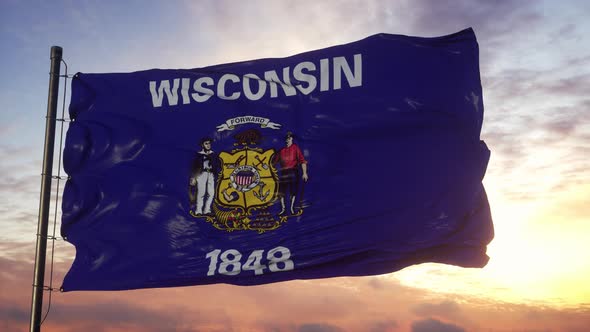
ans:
(535, 72)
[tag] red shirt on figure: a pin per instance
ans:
(291, 156)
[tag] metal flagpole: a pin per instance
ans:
(46, 176)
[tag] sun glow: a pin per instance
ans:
(539, 255)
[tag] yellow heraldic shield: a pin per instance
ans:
(248, 178)
(246, 189)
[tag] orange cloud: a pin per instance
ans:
(372, 304)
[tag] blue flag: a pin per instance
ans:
(352, 160)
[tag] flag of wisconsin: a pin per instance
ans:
(352, 160)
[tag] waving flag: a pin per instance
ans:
(352, 160)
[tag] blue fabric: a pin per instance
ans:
(388, 130)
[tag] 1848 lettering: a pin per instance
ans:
(229, 262)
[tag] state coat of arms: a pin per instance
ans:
(248, 187)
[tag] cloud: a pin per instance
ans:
(548, 142)
(445, 309)
(112, 314)
(117, 314)
(12, 314)
(17, 252)
(433, 325)
(19, 194)
(318, 327)
(374, 304)
(578, 61)
(434, 15)
(519, 89)
(383, 326)
(280, 31)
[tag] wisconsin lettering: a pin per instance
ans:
(328, 74)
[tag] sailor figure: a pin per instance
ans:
(202, 181)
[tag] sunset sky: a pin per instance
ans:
(535, 71)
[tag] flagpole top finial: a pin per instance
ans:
(56, 51)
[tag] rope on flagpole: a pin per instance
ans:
(58, 178)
